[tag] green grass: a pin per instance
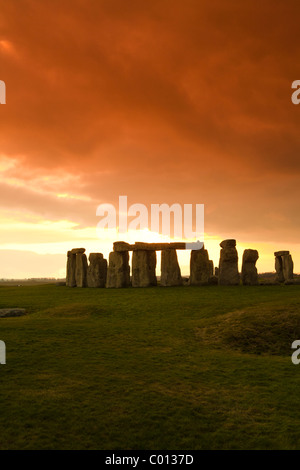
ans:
(157, 368)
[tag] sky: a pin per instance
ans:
(184, 102)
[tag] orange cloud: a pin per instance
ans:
(187, 103)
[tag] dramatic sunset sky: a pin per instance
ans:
(165, 101)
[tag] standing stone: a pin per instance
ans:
(211, 263)
(287, 267)
(97, 270)
(118, 271)
(170, 270)
(283, 266)
(216, 271)
(201, 268)
(143, 268)
(228, 266)
(71, 270)
(249, 271)
(81, 270)
(278, 269)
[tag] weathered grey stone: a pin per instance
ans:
(278, 269)
(283, 266)
(228, 243)
(118, 271)
(71, 270)
(228, 266)
(76, 251)
(249, 271)
(200, 267)
(211, 263)
(97, 270)
(216, 271)
(122, 246)
(137, 246)
(143, 268)
(12, 312)
(287, 267)
(281, 253)
(81, 270)
(170, 270)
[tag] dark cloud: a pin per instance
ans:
(162, 101)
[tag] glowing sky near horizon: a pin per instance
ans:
(165, 102)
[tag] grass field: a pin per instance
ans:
(157, 368)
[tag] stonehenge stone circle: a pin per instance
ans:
(97, 270)
(228, 266)
(201, 268)
(249, 271)
(170, 270)
(284, 266)
(143, 268)
(118, 271)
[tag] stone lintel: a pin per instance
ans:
(76, 251)
(281, 253)
(123, 246)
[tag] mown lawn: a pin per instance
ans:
(157, 368)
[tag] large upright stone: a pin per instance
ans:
(71, 270)
(283, 266)
(170, 270)
(249, 271)
(287, 267)
(81, 270)
(97, 270)
(228, 266)
(118, 271)
(278, 269)
(143, 268)
(201, 268)
(211, 263)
